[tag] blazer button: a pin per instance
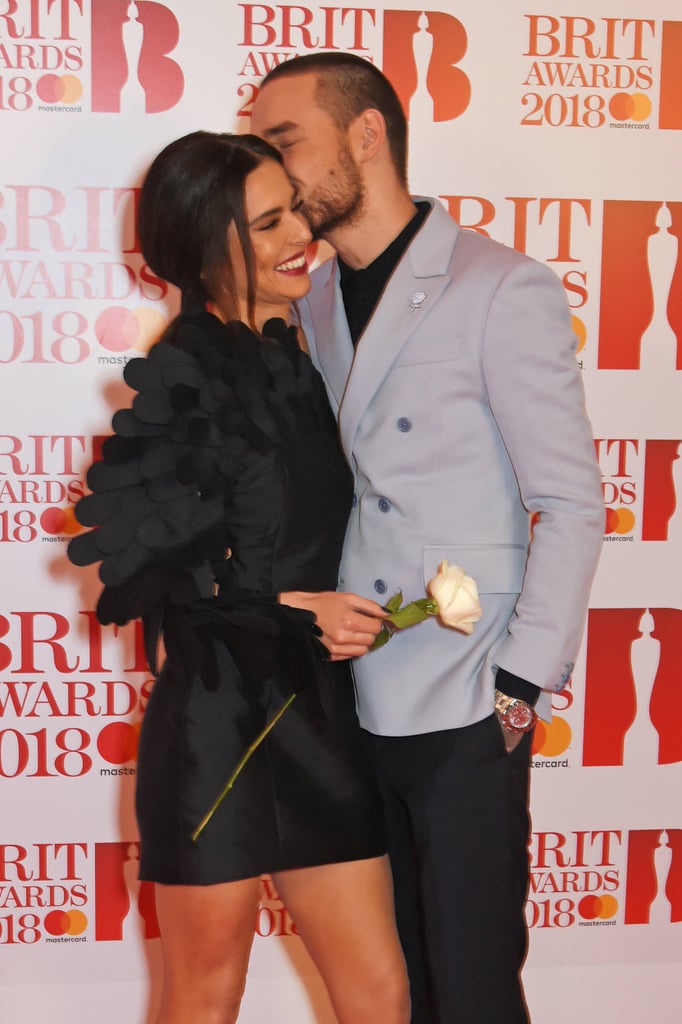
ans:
(404, 425)
(354, 502)
(380, 586)
(384, 505)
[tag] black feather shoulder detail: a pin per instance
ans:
(211, 399)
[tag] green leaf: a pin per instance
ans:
(410, 615)
(395, 602)
(382, 637)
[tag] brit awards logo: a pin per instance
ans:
(605, 877)
(642, 487)
(575, 878)
(40, 482)
(641, 286)
(68, 892)
(633, 700)
(597, 72)
(41, 56)
(72, 279)
(43, 893)
(68, 707)
(132, 67)
(422, 52)
(73, 892)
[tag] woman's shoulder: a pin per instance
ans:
(263, 379)
(212, 341)
(194, 333)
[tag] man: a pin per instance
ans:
(451, 364)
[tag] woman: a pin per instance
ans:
(220, 509)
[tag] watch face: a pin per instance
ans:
(521, 717)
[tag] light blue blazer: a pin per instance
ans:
(461, 413)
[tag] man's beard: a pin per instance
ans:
(339, 201)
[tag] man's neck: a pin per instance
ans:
(383, 218)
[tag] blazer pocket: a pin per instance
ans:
(423, 349)
(496, 568)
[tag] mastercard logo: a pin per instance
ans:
(619, 520)
(118, 328)
(602, 908)
(580, 331)
(552, 738)
(625, 106)
(65, 922)
(59, 89)
(57, 521)
(117, 742)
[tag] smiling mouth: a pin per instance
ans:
(297, 263)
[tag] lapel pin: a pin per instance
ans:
(416, 301)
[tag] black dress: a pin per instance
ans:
(223, 486)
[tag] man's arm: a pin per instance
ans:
(536, 397)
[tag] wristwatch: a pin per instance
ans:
(516, 714)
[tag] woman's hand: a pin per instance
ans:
(349, 623)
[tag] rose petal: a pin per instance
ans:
(445, 584)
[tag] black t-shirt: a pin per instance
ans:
(361, 289)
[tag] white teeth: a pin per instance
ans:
(292, 264)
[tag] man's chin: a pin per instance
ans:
(323, 228)
(323, 222)
(315, 223)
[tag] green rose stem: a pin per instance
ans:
(241, 765)
(400, 618)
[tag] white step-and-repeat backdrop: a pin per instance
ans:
(554, 127)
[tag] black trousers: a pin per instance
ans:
(457, 816)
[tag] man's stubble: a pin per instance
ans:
(339, 201)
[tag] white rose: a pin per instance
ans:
(456, 596)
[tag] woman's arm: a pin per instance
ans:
(349, 623)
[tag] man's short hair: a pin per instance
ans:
(346, 86)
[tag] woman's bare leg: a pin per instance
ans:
(206, 935)
(344, 913)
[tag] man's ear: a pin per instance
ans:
(368, 135)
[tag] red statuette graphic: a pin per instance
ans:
(633, 700)
(670, 108)
(641, 286)
(653, 892)
(131, 67)
(422, 51)
(121, 901)
(660, 500)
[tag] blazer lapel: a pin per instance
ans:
(411, 293)
(332, 340)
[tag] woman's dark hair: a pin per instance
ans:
(347, 85)
(192, 192)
